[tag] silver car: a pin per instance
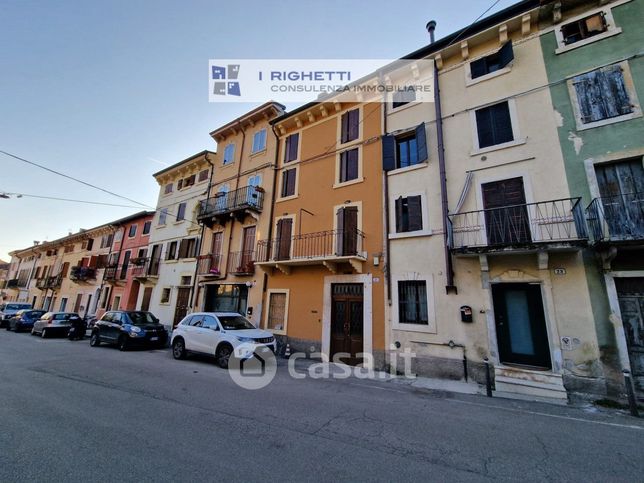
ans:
(54, 323)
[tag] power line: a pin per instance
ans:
(20, 195)
(73, 178)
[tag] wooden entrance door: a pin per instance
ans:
(347, 231)
(347, 321)
(621, 187)
(506, 215)
(147, 295)
(630, 292)
(181, 307)
(77, 304)
(283, 239)
(521, 325)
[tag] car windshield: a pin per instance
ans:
(35, 314)
(235, 322)
(142, 318)
(17, 306)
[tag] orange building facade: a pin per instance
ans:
(323, 256)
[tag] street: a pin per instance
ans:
(69, 412)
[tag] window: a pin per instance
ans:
(255, 180)
(405, 150)
(116, 303)
(181, 211)
(63, 304)
(229, 154)
(146, 227)
(171, 253)
(494, 125)
(209, 322)
(409, 215)
(259, 141)
(186, 280)
(412, 302)
(603, 94)
(132, 232)
(188, 248)
(290, 151)
(402, 97)
(493, 62)
(288, 182)
(165, 295)
(106, 297)
(277, 311)
(348, 165)
(106, 241)
(350, 126)
(163, 214)
(582, 29)
(167, 189)
(90, 244)
(69, 248)
(203, 175)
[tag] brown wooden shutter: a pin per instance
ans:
(399, 215)
(283, 241)
(414, 213)
(93, 261)
(183, 249)
(344, 128)
(217, 239)
(340, 232)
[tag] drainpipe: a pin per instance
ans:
(386, 203)
(203, 228)
(449, 287)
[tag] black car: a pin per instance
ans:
(24, 319)
(128, 329)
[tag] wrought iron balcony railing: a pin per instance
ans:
(320, 245)
(82, 274)
(241, 263)
(523, 226)
(209, 265)
(49, 282)
(247, 197)
(617, 218)
(110, 274)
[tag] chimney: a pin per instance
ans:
(431, 26)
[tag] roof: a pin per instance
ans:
(140, 214)
(176, 165)
(432, 48)
(270, 104)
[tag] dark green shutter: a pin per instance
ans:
(388, 152)
(478, 68)
(399, 215)
(414, 213)
(506, 55)
(421, 143)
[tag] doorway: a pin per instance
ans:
(521, 331)
(347, 314)
(630, 293)
(181, 307)
(226, 298)
(506, 214)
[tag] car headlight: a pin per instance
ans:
(245, 339)
(135, 329)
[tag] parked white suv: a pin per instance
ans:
(219, 334)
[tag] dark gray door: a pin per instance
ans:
(630, 292)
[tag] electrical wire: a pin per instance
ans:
(20, 195)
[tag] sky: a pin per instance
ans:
(111, 92)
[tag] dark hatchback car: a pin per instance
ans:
(127, 329)
(54, 324)
(24, 319)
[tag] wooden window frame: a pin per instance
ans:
(268, 307)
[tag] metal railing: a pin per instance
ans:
(49, 282)
(241, 263)
(322, 244)
(209, 264)
(143, 267)
(81, 274)
(247, 197)
(110, 273)
(518, 225)
(616, 218)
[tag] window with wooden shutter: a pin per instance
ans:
(288, 182)
(493, 62)
(347, 231)
(183, 248)
(402, 97)
(348, 165)
(409, 215)
(494, 125)
(283, 239)
(181, 211)
(276, 319)
(350, 125)
(582, 29)
(388, 152)
(602, 94)
(290, 148)
(203, 175)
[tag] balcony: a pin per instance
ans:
(111, 274)
(46, 283)
(209, 265)
(328, 248)
(219, 208)
(617, 219)
(241, 263)
(82, 274)
(145, 267)
(544, 226)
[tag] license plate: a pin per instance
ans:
(154, 338)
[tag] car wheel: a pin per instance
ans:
(16, 329)
(179, 349)
(33, 332)
(43, 334)
(94, 340)
(223, 355)
(123, 344)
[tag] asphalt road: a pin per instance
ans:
(69, 412)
